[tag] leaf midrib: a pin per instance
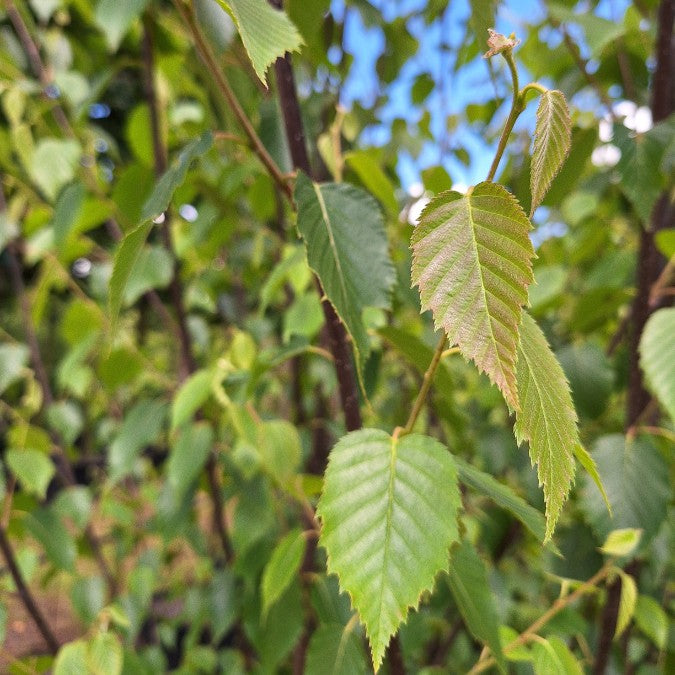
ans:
(331, 238)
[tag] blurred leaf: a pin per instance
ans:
(621, 542)
(72, 659)
(33, 469)
(626, 603)
(193, 393)
(552, 139)
(553, 657)
(105, 655)
(13, 359)
(114, 18)
(141, 426)
(337, 650)
(267, 33)
(547, 419)
(591, 468)
(153, 269)
(48, 529)
(652, 620)
(373, 178)
(404, 494)
(503, 496)
(282, 568)
(636, 502)
(188, 456)
(474, 283)
(657, 357)
(53, 164)
(421, 88)
(436, 179)
(474, 598)
(347, 248)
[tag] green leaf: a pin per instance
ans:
(13, 359)
(105, 655)
(72, 659)
(373, 178)
(335, 650)
(125, 259)
(267, 33)
(481, 18)
(49, 530)
(152, 269)
(553, 657)
(114, 18)
(474, 598)
(547, 419)
(389, 515)
(141, 427)
(53, 164)
(592, 469)
(657, 357)
(552, 141)
(626, 603)
(130, 249)
(503, 496)
(159, 200)
(639, 167)
(621, 542)
(282, 568)
(193, 393)
(33, 469)
(472, 263)
(347, 247)
(652, 620)
(636, 502)
(188, 456)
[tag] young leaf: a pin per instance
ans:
(547, 419)
(281, 568)
(626, 603)
(591, 468)
(553, 657)
(389, 514)
(657, 357)
(503, 496)
(621, 542)
(192, 394)
(552, 141)
(347, 247)
(474, 598)
(267, 33)
(188, 456)
(472, 261)
(652, 620)
(33, 469)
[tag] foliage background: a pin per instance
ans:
(145, 513)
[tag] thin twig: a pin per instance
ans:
(221, 81)
(27, 598)
(530, 633)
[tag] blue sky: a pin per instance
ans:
(471, 84)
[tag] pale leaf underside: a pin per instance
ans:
(472, 261)
(552, 141)
(657, 357)
(547, 419)
(389, 515)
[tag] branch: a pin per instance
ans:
(221, 81)
(26, 596)
(530, 633)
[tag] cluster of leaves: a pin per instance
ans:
(168, 403)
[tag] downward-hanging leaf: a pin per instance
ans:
(474, 598)
(657, 357)
(503, 496)
(282, 568)
(389, 514)
(347, 247)
(626, 603)
(547, 419)
(472, 261)
(267, 33)
(130, 249)
(552, 141)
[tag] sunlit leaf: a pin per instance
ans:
(626, 603)
(547, 419)
(657, 356)
(552, 140)
(652, 620)
(267, 33)
(621, 542)
(472, 261)
(335, 650)
(114, 18)
(389, 515)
